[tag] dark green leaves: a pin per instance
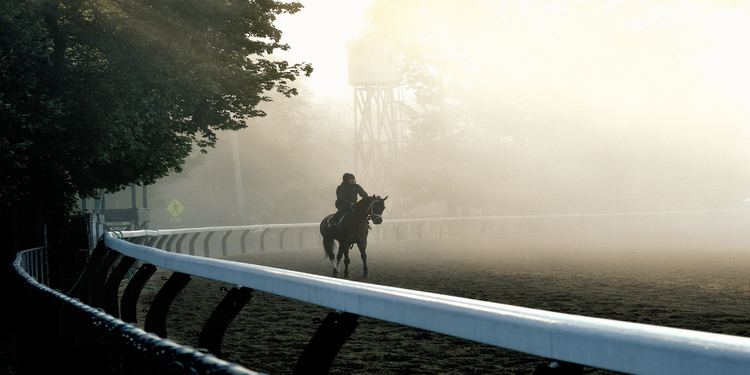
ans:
(107, 93)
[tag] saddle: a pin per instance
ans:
(333, 222)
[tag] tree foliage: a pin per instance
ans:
(101, 94)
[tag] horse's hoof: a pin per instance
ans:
(366, 275)
(335, 273)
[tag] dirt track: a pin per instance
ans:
(686, 280)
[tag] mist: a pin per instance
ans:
(561, 107)
(515, 108)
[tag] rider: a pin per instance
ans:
(346, 196)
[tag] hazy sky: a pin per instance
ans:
(318, 35)
(729, 67)
(319, 32)
(620, 163)
(555, 60)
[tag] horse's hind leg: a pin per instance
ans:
(328, 247)
(362, 246)
(334, 267)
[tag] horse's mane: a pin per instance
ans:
(367, 200)
(362, 202)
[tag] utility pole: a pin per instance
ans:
(238, 180)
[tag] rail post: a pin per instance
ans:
(326, 343)
(132, 292)
(300, 237)
(205, 243)
(224, 242)
(156, 319)
(216, 326)
(192, 242)
(242, 240)
(111, 305)
(262, 240)
(178, 246)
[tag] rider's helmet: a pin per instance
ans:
(347, 175)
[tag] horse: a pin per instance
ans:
(353, 229)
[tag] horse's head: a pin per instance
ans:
(376, 209)
(372, 207)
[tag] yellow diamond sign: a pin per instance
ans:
(175, 208)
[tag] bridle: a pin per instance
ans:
(369, 212)
(372, 214)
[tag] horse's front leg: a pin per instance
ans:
(362, 246)
(344, 252)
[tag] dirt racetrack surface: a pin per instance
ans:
(689, 280)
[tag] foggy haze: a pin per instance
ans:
(561, 107)
(548, 108)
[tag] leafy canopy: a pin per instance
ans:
(101, 94)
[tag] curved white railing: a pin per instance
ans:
(240, 239)
(607, 344)
(90, 330)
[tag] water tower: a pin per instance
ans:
(378, 116)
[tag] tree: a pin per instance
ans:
(101, 94)
(25, 103)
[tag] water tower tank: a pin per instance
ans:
(371, 62)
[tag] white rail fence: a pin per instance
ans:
(232, 240)
(601, 343)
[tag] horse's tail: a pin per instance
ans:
(329, 245)
(328, 241)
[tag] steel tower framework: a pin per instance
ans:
(379, 131)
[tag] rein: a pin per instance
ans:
(369, 209)
(369, 212)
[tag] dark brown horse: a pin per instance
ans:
(353, 229)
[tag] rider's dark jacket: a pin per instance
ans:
(346, 194)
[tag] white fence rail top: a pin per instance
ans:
(258, 227)
(607, 344)
(167, 232)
